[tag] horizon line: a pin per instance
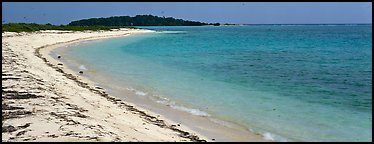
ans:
(307, 24)
(250, 23)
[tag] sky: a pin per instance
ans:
(223, 12)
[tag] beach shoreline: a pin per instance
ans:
(199, 121)
(172, 131)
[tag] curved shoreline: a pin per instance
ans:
(42, 52)
(212, 128)
(10, 118)
(152, 119)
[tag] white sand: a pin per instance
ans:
(43, 101)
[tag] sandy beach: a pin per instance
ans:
(186, 72)
(43, 101)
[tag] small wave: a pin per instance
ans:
(130, 89)
(137, 92)
(268, 136)
(82, 67)
(171, 104)
(162, 100)
(190, 110)
(273, 137)
(140, 93)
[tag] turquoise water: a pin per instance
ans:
(289, 83)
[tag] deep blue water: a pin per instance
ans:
(294, 83)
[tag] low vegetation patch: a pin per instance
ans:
(31, 27)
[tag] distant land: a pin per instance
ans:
(138, 20)
(109, 23)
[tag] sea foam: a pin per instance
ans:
(140, 93)
(192, 111)
(137, 92)
(82, 67)
(273, 137)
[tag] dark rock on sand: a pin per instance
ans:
(9, 128)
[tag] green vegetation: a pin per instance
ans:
(139, 20)
(31, 27)
(216, 24)
(95, 24)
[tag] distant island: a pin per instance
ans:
(109, 23)
(138, 20)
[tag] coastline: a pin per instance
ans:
(158, 128)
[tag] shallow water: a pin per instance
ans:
(289, 83)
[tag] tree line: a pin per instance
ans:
(138, 20)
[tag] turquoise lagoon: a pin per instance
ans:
(287, 82)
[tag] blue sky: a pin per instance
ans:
(222, 12)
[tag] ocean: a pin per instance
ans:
(286, 82)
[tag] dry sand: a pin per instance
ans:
(43, 101)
